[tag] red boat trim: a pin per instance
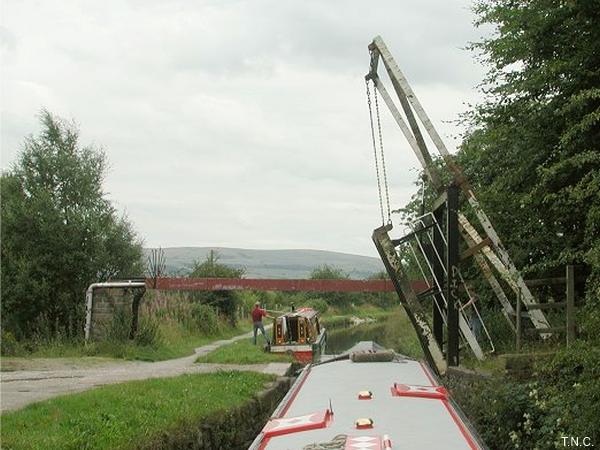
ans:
(461, 426)
(300, 383)
(287, 425)
(265, 441)
(304, 357)
(417, 391)
(297, 386)
(457, 420)
(372, 442)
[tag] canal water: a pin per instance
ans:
(388, 332)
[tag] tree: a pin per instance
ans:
(532, 154)
(338, 299)
(381, 275)
(533, 151)
(59, 232)
(327, 272)
(212, 268)
(225, 301)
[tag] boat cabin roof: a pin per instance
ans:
(308, 313)
(409, 422)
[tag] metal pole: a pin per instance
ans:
(570, 304)
(518, 326)
(452, 262)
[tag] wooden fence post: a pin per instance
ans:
(570, 304)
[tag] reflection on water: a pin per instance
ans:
(339, 341)
(395, 332)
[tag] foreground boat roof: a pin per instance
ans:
(408, 422)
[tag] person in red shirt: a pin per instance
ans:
(257, 314)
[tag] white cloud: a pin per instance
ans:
(235, 123)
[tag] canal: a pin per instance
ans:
(393, 331)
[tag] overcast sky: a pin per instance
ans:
(236, 123)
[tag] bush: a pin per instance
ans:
(563, 401)
(205, 319)
(589, 315)
(317, 304)
(59, 232)
(502, 335)
(148, 333)
(226, 302)
(119, 328)
(9, 345)
(187, 310)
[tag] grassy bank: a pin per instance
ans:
(243, 352)
(175, 342)
(127, 416)
(171, 326)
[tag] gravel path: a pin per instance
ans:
(22, 387)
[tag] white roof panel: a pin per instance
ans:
(411, 423)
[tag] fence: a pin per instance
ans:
(569, 306)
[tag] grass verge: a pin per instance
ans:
(127, 416)
(242, 352)
(175, 341)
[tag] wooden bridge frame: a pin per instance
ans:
(486, 250)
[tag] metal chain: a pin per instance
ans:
(385, 183)
(375, 151)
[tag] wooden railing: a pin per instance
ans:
(568, 305)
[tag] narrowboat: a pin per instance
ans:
(367, 399)
(299, 333)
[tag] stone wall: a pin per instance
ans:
(108, 303)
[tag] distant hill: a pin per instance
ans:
(273, 263)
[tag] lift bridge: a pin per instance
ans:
(431, 242)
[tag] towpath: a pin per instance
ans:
(53, 378)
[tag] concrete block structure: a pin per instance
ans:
(108, 301)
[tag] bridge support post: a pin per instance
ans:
(452, 280)
(439, 254)
(408, 298)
